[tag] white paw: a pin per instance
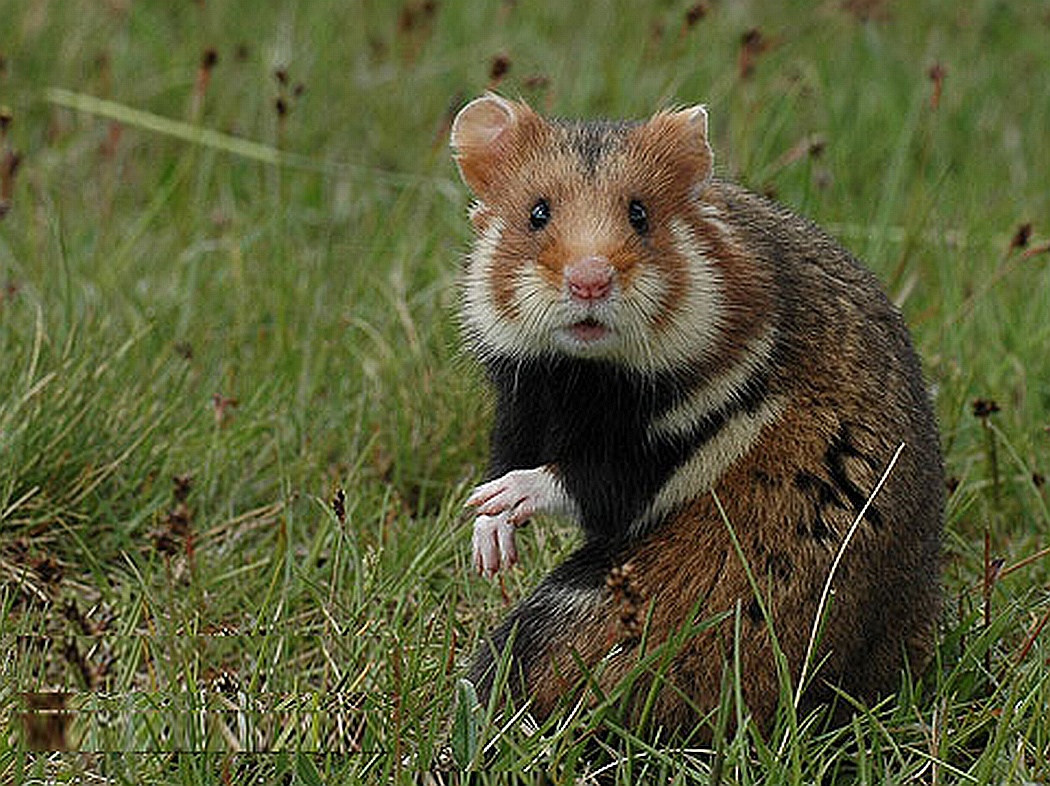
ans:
(508, 502)
(493, 543)
(521, 494)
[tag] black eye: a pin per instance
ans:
(540, 214)
(638, 217)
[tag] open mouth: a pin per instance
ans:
(588, 330)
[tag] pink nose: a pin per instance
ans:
(589, 279)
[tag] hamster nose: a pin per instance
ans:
(589, 279)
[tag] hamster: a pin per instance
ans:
(712, 388)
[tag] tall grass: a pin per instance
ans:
(236, 426)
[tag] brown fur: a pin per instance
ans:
(842, 382)
(766, 511)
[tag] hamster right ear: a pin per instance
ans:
(483, 136)
(694, 120)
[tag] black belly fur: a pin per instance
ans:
(592, 421)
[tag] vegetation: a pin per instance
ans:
(237, 427)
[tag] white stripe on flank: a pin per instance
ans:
(567, 600)
(712, 215)
(719, 391)
(702, 470)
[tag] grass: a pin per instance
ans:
(226, 300)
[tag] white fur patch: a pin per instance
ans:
(720, 391)
(561, 604)
(538, 309)
(485, 327)
(543, 315)
(693, 328)
(523, 493)
(712, 215)
(702, 470)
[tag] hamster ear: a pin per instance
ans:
(688, 127)
(696, 119)
(480, 123)
(483, 137)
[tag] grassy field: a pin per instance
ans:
(237, 428)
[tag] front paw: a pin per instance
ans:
(493, 544)
(520, 494)
(508, 502)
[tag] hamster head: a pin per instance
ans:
(593, 238)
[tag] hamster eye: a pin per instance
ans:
(638, 217)
(540, 214)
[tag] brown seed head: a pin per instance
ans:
(498, 69)
(182, 484)
(984, 408)
(339, 505)
(694, 14)
(752, 44)
(1022, 235)
(936, 73)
